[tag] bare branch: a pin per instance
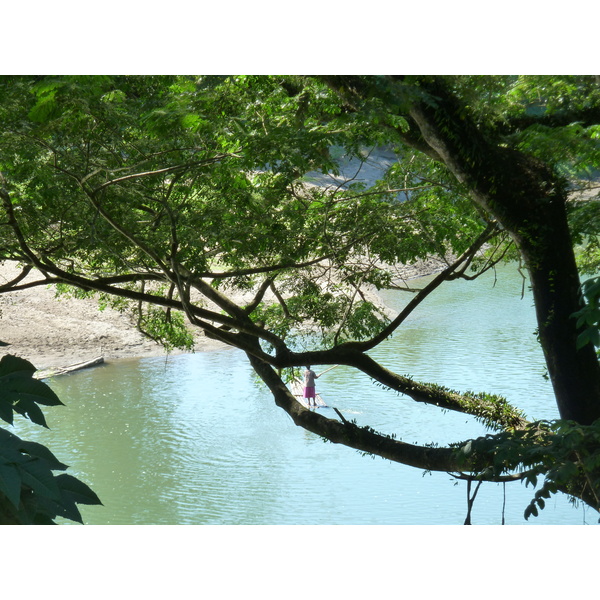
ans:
(444, 275)
(182, 167)
(11, 285)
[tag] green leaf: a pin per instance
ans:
(76, 490)
(565, 472)
(585, 338)
(10, 483)
(9, 447)
(20, 393)
(531, 510)
(47, 509)
(531, 478)
(16, 386)
(40, 479)
(44, 109)
(29, 463)
(28, 408)
(14, 364)
(36, 450)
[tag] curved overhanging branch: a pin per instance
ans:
(459, 461)
(352, 435)
(236, 324)
(495, 411)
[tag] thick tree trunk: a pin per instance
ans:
(575, 374)
(529, 202)
(525, 197)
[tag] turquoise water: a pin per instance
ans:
(196, 439)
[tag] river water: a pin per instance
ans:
(196, 439)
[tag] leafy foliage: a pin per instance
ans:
(564, 454)
(30, 492)
(21, 393)
(167, 328)
(588, 318)
(584, 220)
(178, 192)
(208, 185)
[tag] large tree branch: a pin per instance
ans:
(444, 275)
(586, 117)
(461, 460)
(349, 434)
(495, 411)
(456, 460)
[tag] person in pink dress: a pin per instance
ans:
(309, 386)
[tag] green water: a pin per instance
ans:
(195, 439)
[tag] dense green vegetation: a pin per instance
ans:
(30, 492)
(174, 195)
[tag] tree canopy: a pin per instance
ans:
(177, 195)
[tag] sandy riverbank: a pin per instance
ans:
(57, 332)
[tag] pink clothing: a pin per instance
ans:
(309, 383)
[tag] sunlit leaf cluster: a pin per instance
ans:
(561, 455)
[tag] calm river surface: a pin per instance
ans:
(195, 439)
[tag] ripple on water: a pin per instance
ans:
(194, 438)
